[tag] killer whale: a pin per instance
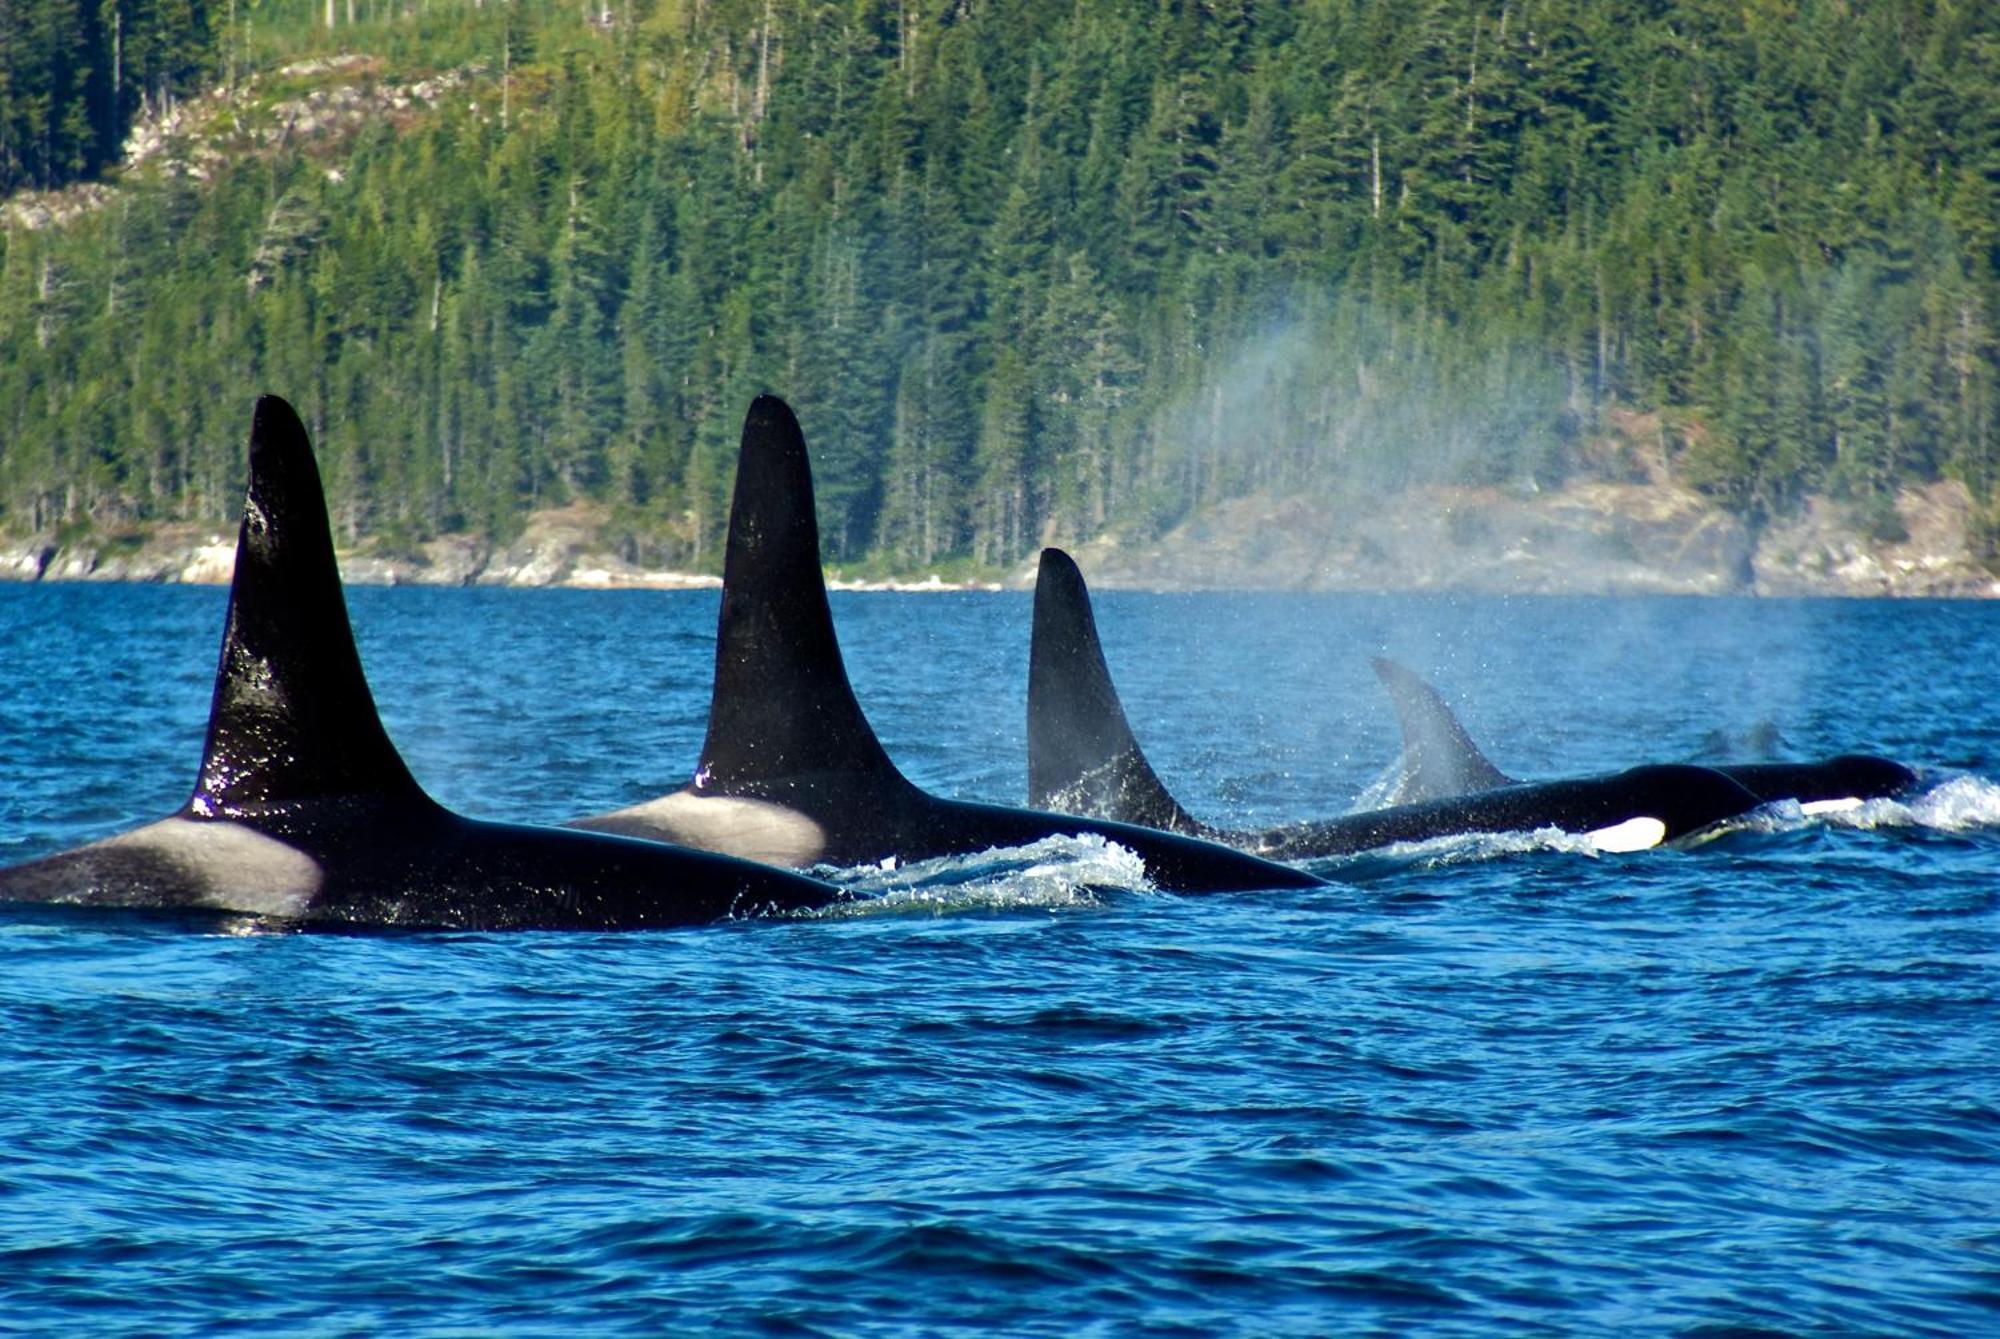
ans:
(1082, 754)
(791, 771)
(1441, 761)
(303, 811)
(1439, 758)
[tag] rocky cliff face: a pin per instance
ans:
(1820, 552)
(1583, 538)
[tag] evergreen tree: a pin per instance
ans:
(1023, 273)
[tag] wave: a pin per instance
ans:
(1956, 803)
(1056, 871)
(1459, 848)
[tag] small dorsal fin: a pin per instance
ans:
(1082, 755)
(292, 717)
(1439, 758)
(782, 706)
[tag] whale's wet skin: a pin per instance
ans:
(304, 812)
(1487, 1084)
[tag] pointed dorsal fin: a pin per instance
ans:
(1439, 758)
(782, 706)
(1082, 755)
(292, 717)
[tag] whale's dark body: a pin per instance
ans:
(303, 809)
(791, 771)
(1440, 761)
(1082, 754)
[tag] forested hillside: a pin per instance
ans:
(1027, 270)
(74, 74)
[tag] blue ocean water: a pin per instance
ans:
(1484, 1086)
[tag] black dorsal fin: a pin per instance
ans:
(1439, 758)
(292, 717)
(782, 706)
(1082, 755)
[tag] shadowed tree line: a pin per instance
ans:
(1026, 271)
(75, 73)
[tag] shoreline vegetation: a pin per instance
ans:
(1584, 538)
(1533, 294)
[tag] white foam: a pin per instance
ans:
(1053, 872)
(1462, 848)
(1957, 804)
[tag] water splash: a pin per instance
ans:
(1057, 871)
(1459, 848)
(1959, 803)
(1381, 792)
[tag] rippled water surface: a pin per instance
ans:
(1486, 1086)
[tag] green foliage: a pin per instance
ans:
(1027, 275)
(74, 74)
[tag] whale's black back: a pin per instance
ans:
(1441, 762)
(303, 809)
(785, 728)
(1082, 754)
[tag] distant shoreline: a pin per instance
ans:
(1122, 581)
(1587, 537)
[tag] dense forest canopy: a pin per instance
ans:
(75, 73)
(1027, 270)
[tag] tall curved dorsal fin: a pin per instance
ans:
(292, 717)
(782, 705)
(1439, 758)
(1082, 755)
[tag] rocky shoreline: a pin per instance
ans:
(558, 547)
(1584, 538)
